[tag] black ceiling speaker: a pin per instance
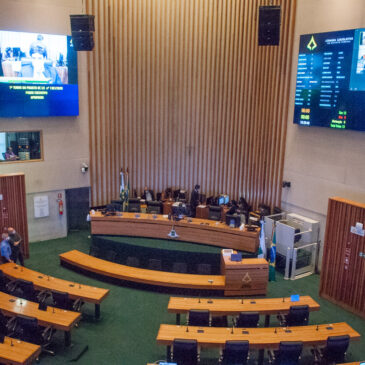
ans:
(82, 28)
(269, 25)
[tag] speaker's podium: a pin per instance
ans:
(244, 276)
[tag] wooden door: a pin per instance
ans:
(343, 264)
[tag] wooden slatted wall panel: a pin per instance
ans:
(180, 93)
(13, 209)
(343, 264)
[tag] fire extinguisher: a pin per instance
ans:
(60, 207)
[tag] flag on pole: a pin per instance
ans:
(121, 191)
(262, 247)
(272, 255)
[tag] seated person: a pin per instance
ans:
(5, 249)
(148, 195)
(10, 155)
(234, 208)
(39, 67)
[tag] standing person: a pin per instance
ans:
(194, 199)
(16, 246)
(5, 249)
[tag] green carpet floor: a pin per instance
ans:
(130, 318)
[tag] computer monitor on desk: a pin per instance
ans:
(233, 220)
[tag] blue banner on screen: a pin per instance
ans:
(38, 75)
(330, 89)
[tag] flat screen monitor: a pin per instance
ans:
(221, 200)
(330, 88)
(38, 75)
(233, 220)
(226, 199)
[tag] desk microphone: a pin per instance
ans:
(242, 301)
(283, 299)
(187, 329)
(232, 330)
(275, 330)
(317, 328)
(199, 300)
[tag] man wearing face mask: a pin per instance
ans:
(5, 249)
(16, 246)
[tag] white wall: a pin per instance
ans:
(322, 162)
(65, 139)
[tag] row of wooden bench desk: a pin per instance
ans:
(233, 307)
(195, 230)
(41, 282)
(58, 319)
(259, 338)
(16, 352)
(246, 277)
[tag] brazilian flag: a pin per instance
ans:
(272, 256)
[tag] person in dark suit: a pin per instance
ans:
(148, 194)
(16, 246)
(194, 199)
(39, 67)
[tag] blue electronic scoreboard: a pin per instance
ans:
(330, 88)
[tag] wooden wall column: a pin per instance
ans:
(181, 93)
(13, 210)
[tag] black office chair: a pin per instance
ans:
(288, 353)
(235, 353)
(215, 213)
(247, 320)
(334, 352)
(25, 289)
(117, 205)
(180, 267)
(185, 352)
(154, 264)
(28, 330)
(154, 207)
(134, 205)
(158, 196)
(62, 300)
(198, 317)
(7, 325)
(219, 321)
(95, 251)
(298, 316)
(111, 255)
(132, 261)
(204, 269)
(3, 282)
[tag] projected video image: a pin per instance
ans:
(360, 69)
(38, 75)
(34, 57)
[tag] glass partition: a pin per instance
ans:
(20, 146)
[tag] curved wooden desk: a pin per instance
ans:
(233, 307)
(198, 230)
(86, 262)
(17, 352)
(59, 319)
(75, 291)
(259, 338)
